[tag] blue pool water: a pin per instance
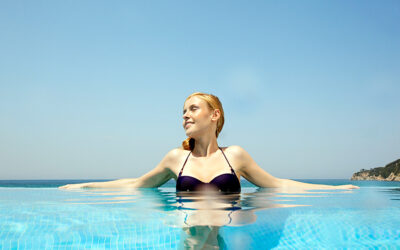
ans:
(37, 215)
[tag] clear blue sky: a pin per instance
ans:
(95, 89)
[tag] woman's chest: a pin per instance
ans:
(205, 169)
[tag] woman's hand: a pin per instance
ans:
(346, 187)
(79, 185)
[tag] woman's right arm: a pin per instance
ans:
(155, 178)
(105, 184)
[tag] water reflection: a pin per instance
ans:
(394, 193)
(201, 215)
(206, 213)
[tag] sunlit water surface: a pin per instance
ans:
(36, 215)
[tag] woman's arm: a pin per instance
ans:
(259, 177)
(155, 178)
(105, 184)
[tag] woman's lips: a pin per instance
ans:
(187, 124)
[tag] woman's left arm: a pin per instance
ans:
(250, 170)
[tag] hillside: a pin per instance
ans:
(391, 172)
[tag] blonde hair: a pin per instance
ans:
(213, 103)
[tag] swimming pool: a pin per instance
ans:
(36, 215)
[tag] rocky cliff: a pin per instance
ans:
(391, 172)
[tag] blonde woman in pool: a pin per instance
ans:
(200, 164)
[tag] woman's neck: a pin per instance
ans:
(205, 146)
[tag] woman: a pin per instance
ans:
(201, 164)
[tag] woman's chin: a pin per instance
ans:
(190, 133)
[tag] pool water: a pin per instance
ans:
(37, 215)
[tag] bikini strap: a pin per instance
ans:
(233, 171)
(184, 164)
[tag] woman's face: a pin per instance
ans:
(197, 117)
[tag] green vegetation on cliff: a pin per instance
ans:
(393, 167)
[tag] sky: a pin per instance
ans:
(95, 89)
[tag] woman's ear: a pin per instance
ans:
(216, 114)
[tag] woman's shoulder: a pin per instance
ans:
(176, 154)
(174, 158)
(237, 156)
(234, 150)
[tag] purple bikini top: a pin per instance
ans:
(224, 183)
